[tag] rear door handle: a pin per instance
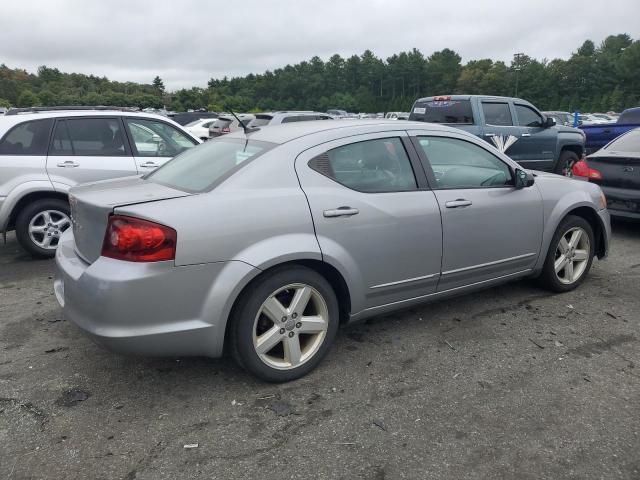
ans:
(460, 202)
(68, 164)
(526, 134)
(149, 165)
(341, 212)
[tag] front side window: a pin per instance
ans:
(497, 114)
(157, 139)
(461, 164)
(199, 169)
(380, 165)
(89, 137)
(28, 138)
(527, 116)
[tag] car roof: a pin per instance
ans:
(7, 121)
(287, 132)
(469, 97)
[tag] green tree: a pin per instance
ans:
(158, 85)
(28, 99)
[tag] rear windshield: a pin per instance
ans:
(632, 116)
(200, 169)
(221, 123)
(626, 143)
(260, 121)
(443, 111)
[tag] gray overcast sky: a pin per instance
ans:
(189, 41)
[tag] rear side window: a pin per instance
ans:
(200, 169)
(100, 137)
(380, 165)
(629, 143)
(28, 138)
(443, 111)
(527, 116)
(496, 113)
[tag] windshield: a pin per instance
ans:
(199, 169)
(626, 143)
(194, 123)
(260, 121)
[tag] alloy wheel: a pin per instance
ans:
(572, 255)
(46, 227)
(290, 326)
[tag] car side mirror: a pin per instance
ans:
(523, 178)
(548, 122)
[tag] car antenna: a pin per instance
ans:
(246, 129)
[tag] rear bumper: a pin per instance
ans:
(622, 202)
(153, 309)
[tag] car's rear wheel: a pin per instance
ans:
(40, 224)
(284, 324)
(569, 256)
(566, 162)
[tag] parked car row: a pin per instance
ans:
(597, 136)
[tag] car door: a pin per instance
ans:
(536, 147)
(499, 126)
(155, 142)
(374, 216)
(88, 149)
(490, 229)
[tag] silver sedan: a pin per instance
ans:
(262, 244)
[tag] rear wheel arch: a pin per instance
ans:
(327, 271)
(30, 198)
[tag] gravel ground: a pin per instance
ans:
(511, 382)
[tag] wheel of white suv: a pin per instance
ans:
(569, 256)
(40, 224)
(284, 324)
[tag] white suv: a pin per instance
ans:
(44, 152)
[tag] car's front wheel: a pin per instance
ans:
(569, 256)
(566, 162)
(284, 324)
(40, 224)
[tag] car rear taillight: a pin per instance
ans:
(226, 130)
(582, 169)
(136, 240)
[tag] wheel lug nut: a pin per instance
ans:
(298, 325)
(284, 319)
(282, 331)
(291, 334)
(294, 315)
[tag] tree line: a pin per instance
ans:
(594, 78)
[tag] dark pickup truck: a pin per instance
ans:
(539, 143)
(600, 134)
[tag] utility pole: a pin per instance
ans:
(516, 62)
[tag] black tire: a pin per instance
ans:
(249, 304)
(28, 213)
(565, 163)
(548, 278)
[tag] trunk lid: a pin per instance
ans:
(618, 169)
(92, 203)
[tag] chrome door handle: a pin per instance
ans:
(526, 134)
(460, 202)
(341, 212)
(68, 164)
(149, 165)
